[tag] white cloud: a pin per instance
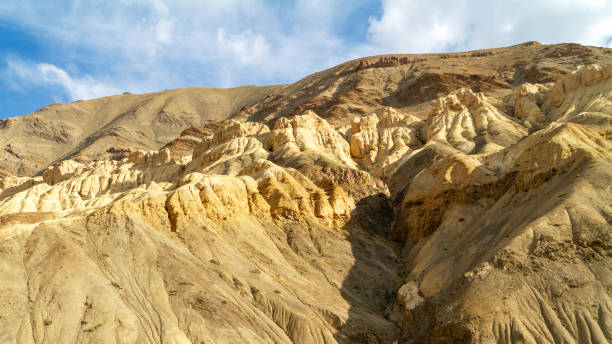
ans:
(411, 26)
(27, 74)
(164, 30)
(245, 47)
(147, 45)
(416, 26)
(81, 88)
(165, 24)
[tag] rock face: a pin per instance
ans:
(378, 141)
(472, 217)
(470, 123)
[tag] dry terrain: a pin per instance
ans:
(440, 198)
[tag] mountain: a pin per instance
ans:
(440, 198)
(102, 128)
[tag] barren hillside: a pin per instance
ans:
(104, 127)
(449, 198)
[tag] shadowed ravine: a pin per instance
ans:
(373, 279)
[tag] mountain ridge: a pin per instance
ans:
(408, 84)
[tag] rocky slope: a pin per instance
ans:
(105, 128)
(411, 82)
(461, 216)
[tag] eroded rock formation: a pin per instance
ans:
(477, 217)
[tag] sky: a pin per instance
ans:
(67, 50)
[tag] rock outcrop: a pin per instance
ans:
(308, 138)
(470, 123)
(378, 141)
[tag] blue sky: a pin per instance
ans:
(66, 50)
